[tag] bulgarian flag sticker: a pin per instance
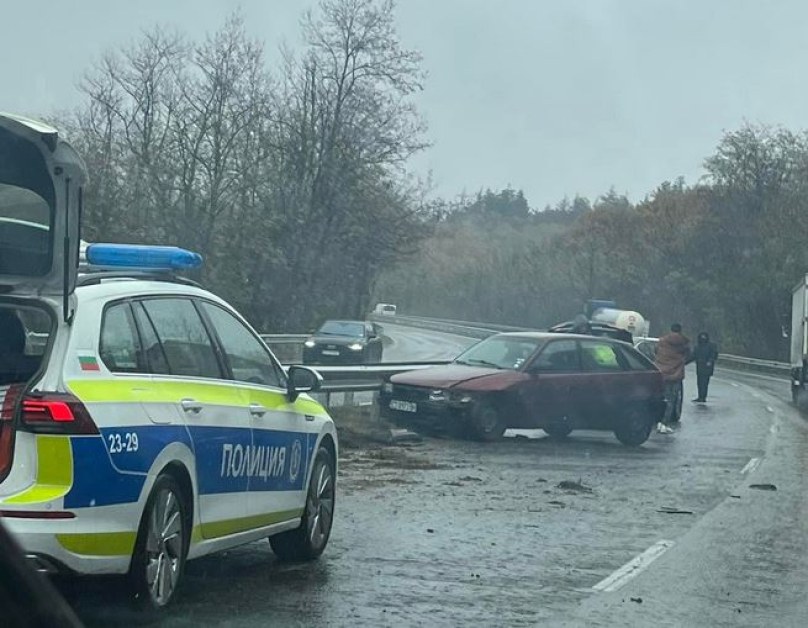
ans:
(88, 363)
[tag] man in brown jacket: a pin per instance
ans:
(672, 353)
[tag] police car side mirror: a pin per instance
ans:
(302, 379)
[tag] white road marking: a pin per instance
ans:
(735, 384)
(750, 466)
(633, 568)
(769, 409)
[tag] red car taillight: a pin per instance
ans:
(10, 397)
(56, 413)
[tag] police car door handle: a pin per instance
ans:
(256, 409)
(191, 405)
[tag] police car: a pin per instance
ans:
(142, 421)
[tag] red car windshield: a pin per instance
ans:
(500, 352)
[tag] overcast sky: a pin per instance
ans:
(555, 97)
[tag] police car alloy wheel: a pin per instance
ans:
(159, 559)
(309, 540)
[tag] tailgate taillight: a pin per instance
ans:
(56, 413)
(9, 396)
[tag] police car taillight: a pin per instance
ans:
(57, 413)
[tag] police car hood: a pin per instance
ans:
(453, 375)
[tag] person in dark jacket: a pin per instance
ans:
(704, 355)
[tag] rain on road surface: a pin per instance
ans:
(518, 532)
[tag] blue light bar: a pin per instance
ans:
(142, 257)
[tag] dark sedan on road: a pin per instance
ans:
(557, 382)
(344, 342)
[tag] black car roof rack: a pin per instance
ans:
(595, 329)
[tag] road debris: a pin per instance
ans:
(574, 487)
(674, 511)
(404, 436)
(763, 487)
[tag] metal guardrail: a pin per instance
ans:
(346, 379)
(365, 378)
(288, 348)
(460, 328)
(740, 363)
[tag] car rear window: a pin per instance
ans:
(635, 360)
(25, 243)
(26, 209)
(120, 348)
(600, 356)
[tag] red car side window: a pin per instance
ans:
(560, 356)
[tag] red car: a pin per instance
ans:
(557, 382)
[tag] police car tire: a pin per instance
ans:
(164, 484)
(298, 545)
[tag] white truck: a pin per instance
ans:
(799, 342)
(602, 311)
(385, 309)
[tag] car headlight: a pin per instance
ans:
(460, 397)
(357, 346)
(309, 344)
(387, 387)
(436, 395)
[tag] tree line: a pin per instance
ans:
(291, 181)
(721, 255)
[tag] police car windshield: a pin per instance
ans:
(342, 328)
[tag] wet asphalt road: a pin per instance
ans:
(517, 533)
(408, 344)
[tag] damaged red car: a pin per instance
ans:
(556, 382)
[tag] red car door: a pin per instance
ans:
(551, 395)
(612, 383)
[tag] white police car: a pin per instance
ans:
(142, 421)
